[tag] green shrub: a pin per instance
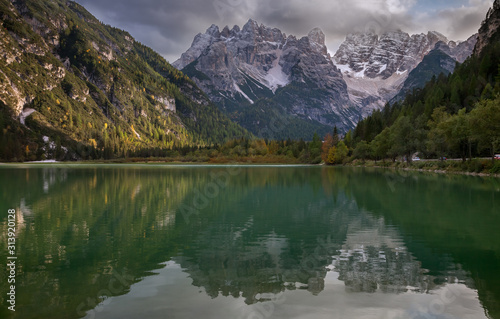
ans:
(442, 164)
(496, 168)
(475, 166)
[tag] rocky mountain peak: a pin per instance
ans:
(444, 47)
(236, 68)
(435, 37)
(251, 26)
(226, 33)
(251, 30)
(393, 52)
(376, 66)
(317, 40)
(235, 29)
(317, 36)
(213, 31)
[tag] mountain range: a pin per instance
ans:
(275, 85)
(72, 87)
(375, 68)
(259, 76)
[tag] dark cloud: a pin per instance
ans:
(169, 26)
(458, 23)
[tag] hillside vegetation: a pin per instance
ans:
(452, 116)
(74, 88)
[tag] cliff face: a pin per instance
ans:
(241, 69)
(463, 50)
(489, 30)
(375, 68)
(368, 55)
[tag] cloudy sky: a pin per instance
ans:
(169, 26)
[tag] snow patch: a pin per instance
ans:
(272, 43)
(361, 74)
(273, 79)
(276, 78)
(401, 73)
(344, 68)
(383, 68)
(237, 88)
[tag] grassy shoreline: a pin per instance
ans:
(474, 167)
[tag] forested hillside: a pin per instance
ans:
(74, 88)
(452, 116)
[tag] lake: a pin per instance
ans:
(154, 241)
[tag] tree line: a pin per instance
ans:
(452, 116)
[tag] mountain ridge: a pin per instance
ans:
(375, 67)
(244, 69)
(257, 66)
(74, 88)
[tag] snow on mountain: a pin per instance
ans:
(253, 52)
(375, 67)
(255, 64)
(237, 67)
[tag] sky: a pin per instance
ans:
(169, 26)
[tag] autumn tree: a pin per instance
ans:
(327, 145)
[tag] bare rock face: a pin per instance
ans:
(230, 57)
(489, 28)
(239, 67)
(463, 50)
(380, 57)
(376, 67)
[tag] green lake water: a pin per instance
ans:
(153, 241)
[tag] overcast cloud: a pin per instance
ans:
(169, 26)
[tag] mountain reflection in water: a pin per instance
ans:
(304, 241)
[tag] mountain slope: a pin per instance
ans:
(455, 116)
(375, 67)
(436, 62)
(73, 88)
(258, 75)
(489, 31)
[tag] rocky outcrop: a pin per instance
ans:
(489, 28)
(462, 50)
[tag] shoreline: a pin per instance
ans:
(225, 162)
(430, 170)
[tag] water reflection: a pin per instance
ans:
(316, 241)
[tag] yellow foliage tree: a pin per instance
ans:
(331, 155)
